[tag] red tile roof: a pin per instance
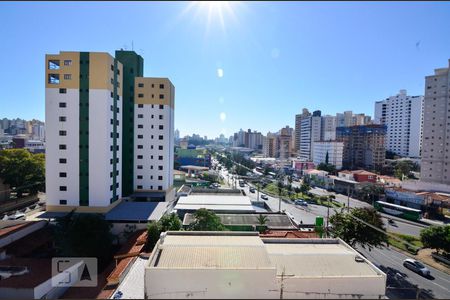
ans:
(12, 229)
(288, 234)
(40, 270)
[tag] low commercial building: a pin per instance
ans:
(194, 157)
(427, 202)
(318, 178)
(359, 176)
(242, 265)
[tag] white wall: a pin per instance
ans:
(100, 143)
(53, 140)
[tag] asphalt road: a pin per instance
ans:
(401, 281)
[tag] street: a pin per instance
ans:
(391, 262)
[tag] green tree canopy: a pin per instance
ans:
(84, 235)
(436, 237)
(153, 233)
(404, 168)
(304, 188)
(352, 231)
(206, 220)
(23, 170)
(169, 222)
(327, 167)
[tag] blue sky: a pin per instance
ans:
(276, 57)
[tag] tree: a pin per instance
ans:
(327, 167)
(169, 222)
(352, 231)
(22, 170)
(403, 169)
(436, 237)
(304, 188)
(206, 220)
(326, 158)
(370, 191)
(262, 220)
(153, 234)
(84, 235)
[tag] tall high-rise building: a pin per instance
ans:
(328, 130)
(328, 151)
(310, 131)
(402, 114)
(248, 139)
(133, 66)
(154, 131)
(363, 146)
(270, 145)
(284, 143)
(435, 165)
(298, 124)
(348, 118)
(105, 122)
(83, 114)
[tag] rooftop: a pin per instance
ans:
(273, 220)
(246, 250)
(137, 211)
(215, 202)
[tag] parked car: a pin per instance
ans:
(17, 217)
(252, 190)
(263, 196)
(301, 202)
(416, 266)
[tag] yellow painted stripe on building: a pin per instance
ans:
(73, 69)
(150, 92)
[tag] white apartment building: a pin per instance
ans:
(402, 114)
(435, 166)
(310, 131)
(154, 134)
(83, 97)
(335, 151)
(348, 118)
(328, 132)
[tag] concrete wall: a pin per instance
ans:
(209, 284)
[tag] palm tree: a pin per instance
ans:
(262, 220)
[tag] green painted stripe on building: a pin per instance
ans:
(115, 96)
(84, 129)
(133, 66)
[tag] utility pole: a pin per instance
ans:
(328, 214)
(348, 198)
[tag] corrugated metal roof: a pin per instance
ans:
(215, 200)
(224, 208)
(212, 240)
(134, 211)
(273, 220)
(312, 260)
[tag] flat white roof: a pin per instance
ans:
(215, 202)
(309, 258)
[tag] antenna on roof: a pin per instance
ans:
(132, 46)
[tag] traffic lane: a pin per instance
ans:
(436, 286)
(402, 228)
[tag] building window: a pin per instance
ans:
(141, 105)
(139, 177)
(63, 91)
(62, 133)
(67, 62)
(139, 167)
(67, 76)
(140, 95)
(160, 168)
(62, 160)
(63, 188)
(160, 178)
(160, 117)
(160, 147)
(161, 96)
(141, 85)
(139, 187)
(140, 157)
(140, 147)
(53, 78)
(140, 116)
(161, 106)
(62, 174)
(161, 127)
(62, 119)
(140, 136)
(140, 126)
(160, 157)
(53, 64)
(62, 147)
(160, 187)
(62, 202)
(160, 137)
(62, 104)
(161, 86)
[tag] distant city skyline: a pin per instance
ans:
(246, 65)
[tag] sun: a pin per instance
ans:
(214, 11)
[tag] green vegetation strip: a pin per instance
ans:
(407, 239)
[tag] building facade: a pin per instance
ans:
(310, 132)
(83, 114)
(154, 134)
(363, 146)
(334, 150)
(348, 118)
(435, 166)
(298, 125)
(328, 130)
(270, 145)
(402, 115)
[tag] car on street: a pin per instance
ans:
(416, 266)
(252, 190)
(263, 196)
(301, 202)
(17, 217)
